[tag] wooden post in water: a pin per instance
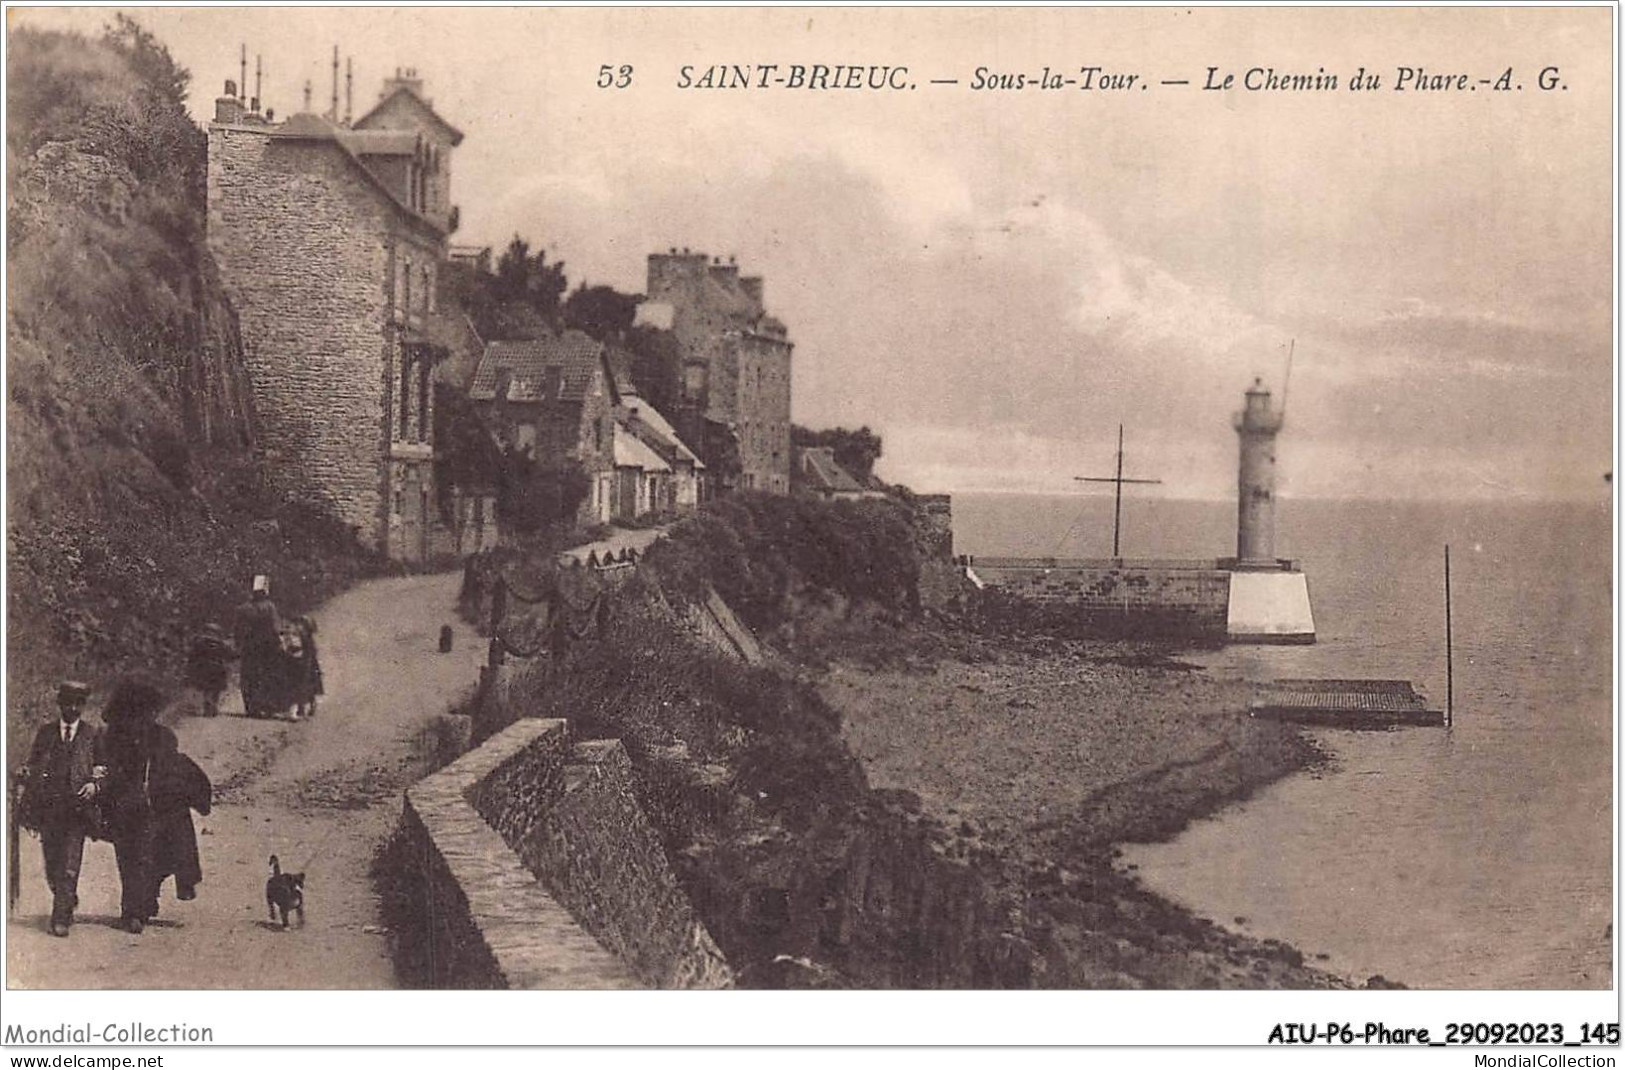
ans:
(1449, 663)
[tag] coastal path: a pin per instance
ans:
(320, 794)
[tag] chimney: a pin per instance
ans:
(349, 79)
(257, 94)
(227, 108)
(307, 94)
(333, 112)
(752, 285)
(242, 72)
(405, 78)
(724, 273)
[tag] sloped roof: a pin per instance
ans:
(307, 127)
(562, 367)
(822, 473)
(381, 142)
(423, 106)
(651, 424)
(633, 452)
(729, 299)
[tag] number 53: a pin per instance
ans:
(616, 77)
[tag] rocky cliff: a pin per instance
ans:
(135, 508)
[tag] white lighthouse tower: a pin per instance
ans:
(1257, 425)
(1269, 597)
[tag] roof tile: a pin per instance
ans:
(571, 360)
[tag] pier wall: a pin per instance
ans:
(1124, 598)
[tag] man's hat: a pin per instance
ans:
(262, 583)
(72, 691)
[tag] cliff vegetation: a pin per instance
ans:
(136, 509)
(805, 872)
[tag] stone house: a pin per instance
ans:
(735, 376)
(818, 473)
(679, 487)
(643, 479)
(554, 398)
(329, 239)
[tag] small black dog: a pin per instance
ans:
(285, 892)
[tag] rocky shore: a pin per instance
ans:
(1045, 755)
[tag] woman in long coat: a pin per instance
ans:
(136, 749)
(178, 787)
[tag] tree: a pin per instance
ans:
(656, 367)
(150, 60)
(856, 451)
(535, 496)
(526, 279)
(601, 311)
(465, 454)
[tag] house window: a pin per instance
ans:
(426, 290)
(694, 376)
(406, 293)
(404, 402)
(598, 435)
(423, 401)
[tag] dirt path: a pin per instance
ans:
(319, 794)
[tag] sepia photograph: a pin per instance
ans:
(841, 499)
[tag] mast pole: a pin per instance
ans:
(1449, 661)
(1287, 383)
(1117, 508)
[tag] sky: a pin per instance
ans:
(995, 280)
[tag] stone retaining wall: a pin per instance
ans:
(490, 923)
(591, 844)
(540, 870)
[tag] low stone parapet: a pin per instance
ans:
(491, 923)
(540, 870)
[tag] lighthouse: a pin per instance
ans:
(1256, 425)
(1269, 596)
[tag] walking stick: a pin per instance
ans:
(14, 849)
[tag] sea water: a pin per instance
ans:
(1474, 857)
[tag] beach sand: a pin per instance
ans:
(1051, 753)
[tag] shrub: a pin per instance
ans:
(757, 550)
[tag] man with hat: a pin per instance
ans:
(60, 783)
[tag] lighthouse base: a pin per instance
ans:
(1269, 607)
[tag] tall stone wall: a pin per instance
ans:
(313, 256)
(1108, 599)
(304, 254)
(763, 384)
